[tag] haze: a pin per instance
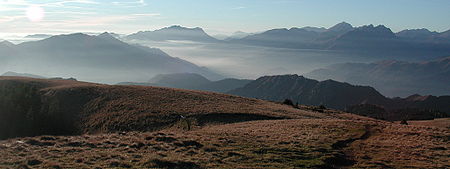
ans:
(217, 17)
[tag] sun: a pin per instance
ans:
(35, 13)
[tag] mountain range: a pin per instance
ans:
(342, 96)
(15, 74)
(306, 91)
(192, 81)
(393, 78)
(101, 58)
(6, 50)
(173, 33)
(368, 39)
(301, 90)
(38, 36)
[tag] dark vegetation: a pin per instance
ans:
(289, 102)
(26, 110)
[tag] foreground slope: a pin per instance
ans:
(31, 107)
(140, 127)
(295, 143)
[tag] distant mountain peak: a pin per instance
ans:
(341, 27)
(7, 43)
(416, 33)
(344, 23)
(174, 78)
(418, 30)
(291, 76)
(239, 32)
(175, 32)
(417, 97)
(315, 29)
(106, 35)
(372, 31)
(181, 28)
(175, 27)
(371, 27)
(38, 36)
(76, 36)
(10, 73)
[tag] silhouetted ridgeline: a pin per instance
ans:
(341, 96)
(192, 81)
(368, 39)
(173, 33)
(393, 78)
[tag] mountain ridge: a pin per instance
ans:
(175, 32)
(102, 54)
(392, 77)
(192, 81)
(342, 96)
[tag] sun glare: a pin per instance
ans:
(35, 13)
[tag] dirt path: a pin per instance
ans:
(343, 159)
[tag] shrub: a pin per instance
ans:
(322, 107)
(288, 102)
(404, 122)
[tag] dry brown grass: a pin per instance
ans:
(403, 146)
(228, 132)
(443, 123)
(95, 108)
(257, 144)
(296, 143)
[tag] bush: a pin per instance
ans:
(404, 122)
(288, 102)
(322, 107)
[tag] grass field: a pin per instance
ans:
(141, 127)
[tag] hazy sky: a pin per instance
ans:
(215, 16)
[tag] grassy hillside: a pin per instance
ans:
(142, 127)
(31, 107)
(293, 143)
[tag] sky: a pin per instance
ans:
(215, 16)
